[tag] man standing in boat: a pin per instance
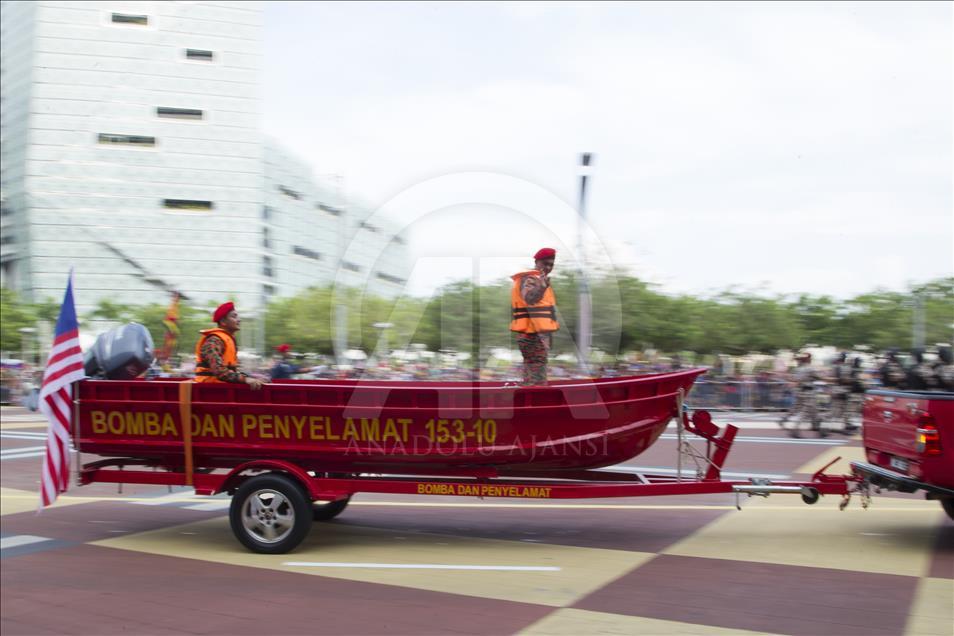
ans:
(216, 353)
(533, 316)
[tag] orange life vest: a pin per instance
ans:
(536, 318)
(229, 356)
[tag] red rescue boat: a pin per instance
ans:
(379, 426)
(297, 451)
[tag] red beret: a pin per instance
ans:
(545, 252)
(222, 311)
(283, 348)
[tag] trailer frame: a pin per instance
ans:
(332, 491)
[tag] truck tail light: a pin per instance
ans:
(929, 441)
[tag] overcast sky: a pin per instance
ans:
(786, 147)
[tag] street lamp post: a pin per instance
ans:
(584, 323)
(383, 338)
(26, 348)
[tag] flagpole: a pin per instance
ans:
(584, 323)
(64, 367)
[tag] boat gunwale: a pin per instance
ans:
(437, 386)
(538, 407)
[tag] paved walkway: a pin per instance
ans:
(150, 561)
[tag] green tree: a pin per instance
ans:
(15, 314)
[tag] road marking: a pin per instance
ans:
(424, 504)
(20, 539)
(23, 435)
(17, 451)
(424, 566)
(772, 440)
(23, 455)
(173, 497)
(685, 472)
(207, 507)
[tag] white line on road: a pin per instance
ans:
(685, 472)
(17, 451)
(208, 507)
(776, 440)
(23, 455)
(20, 539)
(20, 435)
(173, 497)
(423, 566)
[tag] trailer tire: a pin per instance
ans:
(328, 511)
(948, 504)
(270, 514)
(810, 495)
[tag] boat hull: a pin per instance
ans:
(365, 426)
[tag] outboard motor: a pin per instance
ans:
(122, 353)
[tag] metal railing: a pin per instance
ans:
(743, 395)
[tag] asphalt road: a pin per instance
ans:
(151, 561)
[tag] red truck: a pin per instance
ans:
(909, 443)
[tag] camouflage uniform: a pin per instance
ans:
(534, 347)
(843, 402)
(806, 403)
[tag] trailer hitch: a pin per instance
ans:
(762, 487)
(863, 488)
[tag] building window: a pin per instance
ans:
(128, 18)
(367, 226)
(266, 213)
(267, 266)
(289, 192)
(268, 290)
(399, 240)
(126, 140)
(330, 209)
(266, 239)
(351, 267)
(187, 204)
(298, 250)
(390, 279)
(199, 54)
(7, 239)
(178, 113)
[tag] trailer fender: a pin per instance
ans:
(235, 478)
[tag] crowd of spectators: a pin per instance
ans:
(768, 385)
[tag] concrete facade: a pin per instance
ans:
(133, 152)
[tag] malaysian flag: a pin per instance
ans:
(63, 367)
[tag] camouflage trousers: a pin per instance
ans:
(846, 406)
(804, 409)
(534, 347)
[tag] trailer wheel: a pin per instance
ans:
(270, 514)
(810, 496)
(948, 505)
(328, 511)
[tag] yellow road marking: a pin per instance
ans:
(854, 540)
(848, 454)
(581, 570)
(932, 611)
(571, 622)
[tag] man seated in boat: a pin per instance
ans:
(533, 316)
(283, 369)
(216, 353)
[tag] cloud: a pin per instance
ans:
(729, 137)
